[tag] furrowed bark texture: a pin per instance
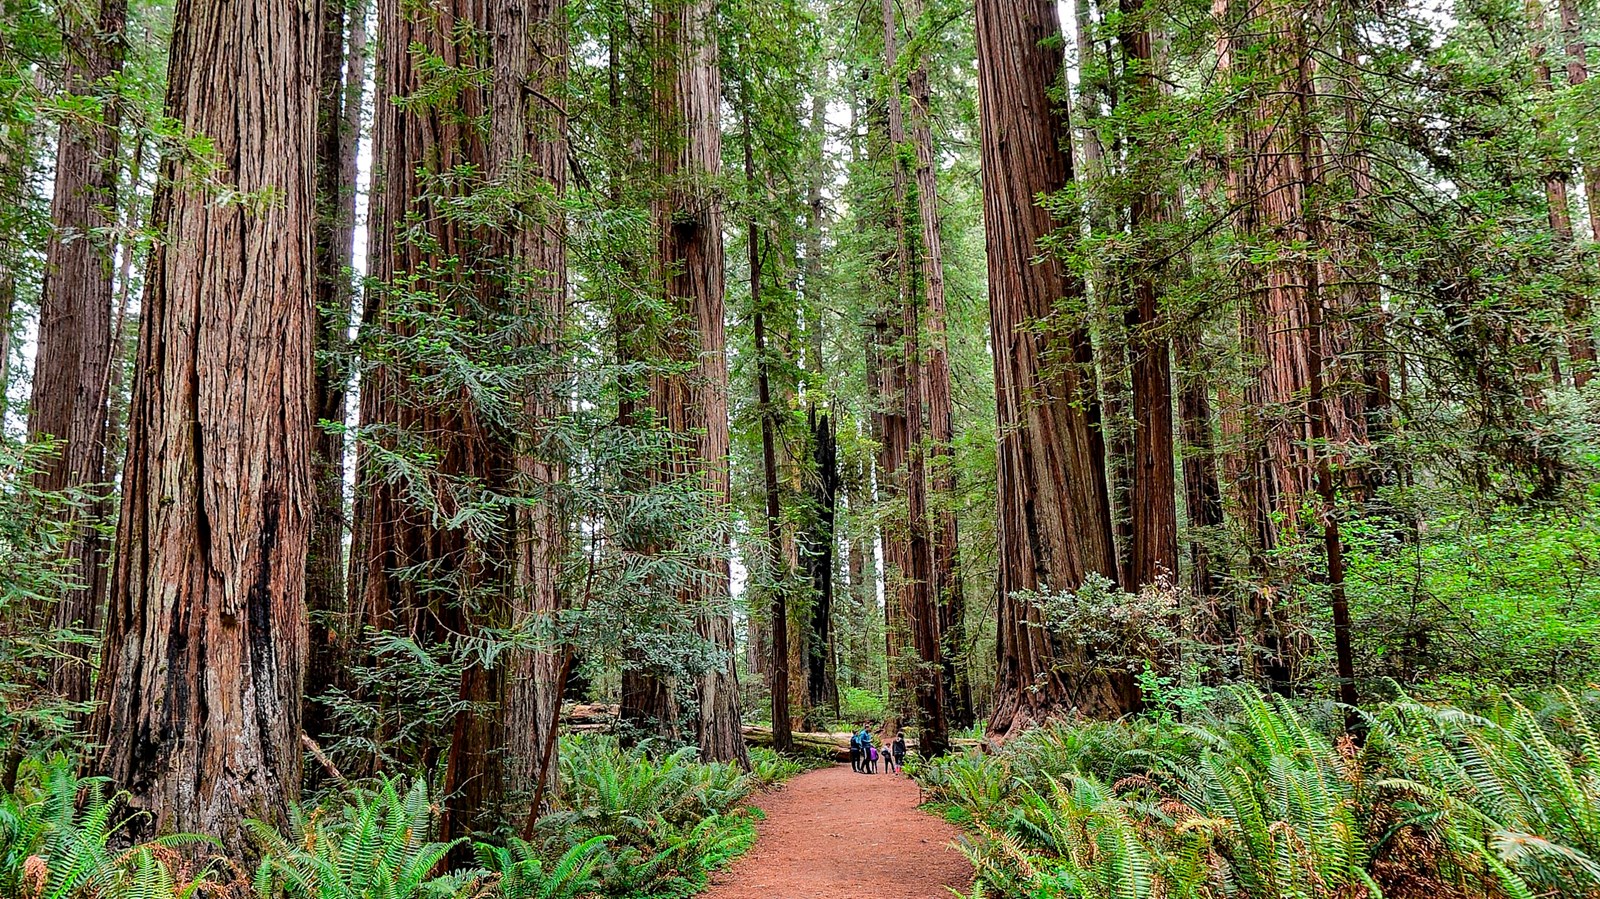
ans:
(74, 353)
(693, 406)
(206, 637)
(1558, 172)
(511, 266)
(528, 148)
(1272, 464)
(1152, 502)
(1577, 74)
(945, 569)
(1054, 512)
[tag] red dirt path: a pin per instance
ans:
(836, 834)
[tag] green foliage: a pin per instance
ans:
(35, 528)
(59, 839)
(1511, 597)
(372, 843)
(1267, 802)
(520, 872)
(669, 820)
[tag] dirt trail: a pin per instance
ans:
(836, 834)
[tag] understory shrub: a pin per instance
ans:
(1269, 802)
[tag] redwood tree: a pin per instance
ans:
(693, 405)
(206, 638)
(75, 350)
(1054, 511)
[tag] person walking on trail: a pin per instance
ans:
(898, 750)
(888, 759)
(855, 753)
(864, 742)
(872, 758)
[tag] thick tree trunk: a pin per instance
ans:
(512, 267)
(694, 406)
(817, 554)
(924, 671)
(1201, 490)
(205, 647)
(1273, 467)
(528, 148)
(1054, 512)
(341, 76)
(74, 352)
(945, 570)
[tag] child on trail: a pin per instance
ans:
(872, 760)
(888, 760)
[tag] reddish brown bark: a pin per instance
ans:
(1054, 512)
(1558, 172)
(1152, 501)
(924, 671)
(75, 350)
(206, 638)
(513, 267)
(528, 147)
(693, 406)
(1577, 74)
(944, 545)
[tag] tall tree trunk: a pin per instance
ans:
(1153, 495)
(1577, 74)
(918, 606)
(341, 76)
(1054, 511)
(205, 646)
(694, 406)
(1201, 490)
(73, 358)
(528, 147)
(1273, 471)
(776, 563)
(411, 571)
(945, 545)
(1558, 172)
(817, 552)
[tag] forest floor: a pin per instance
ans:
(833, 833)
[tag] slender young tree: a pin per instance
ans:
(1054, 511)
(341, 79)
(71, 374)
(205, 647)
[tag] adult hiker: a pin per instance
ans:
(855, 753)
(898, 750)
